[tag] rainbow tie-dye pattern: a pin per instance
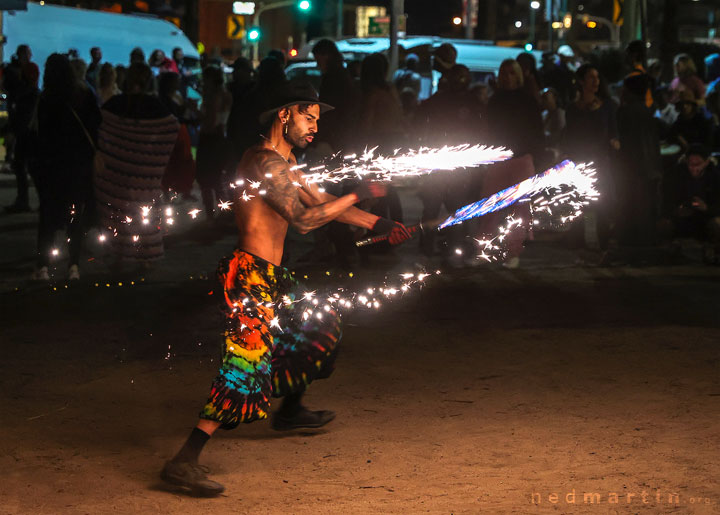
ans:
(261, 358)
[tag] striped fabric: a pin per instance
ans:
(135, 154)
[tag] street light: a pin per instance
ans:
(304, 5)
(535, 5)
(457, 20)
(518, 24)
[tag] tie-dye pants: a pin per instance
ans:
(269, 351)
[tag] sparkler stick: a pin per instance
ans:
(578, 177)
(383, 237)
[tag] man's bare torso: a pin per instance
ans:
(261, 229)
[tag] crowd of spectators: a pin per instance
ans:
(101, 141)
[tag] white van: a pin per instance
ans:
(48, 29)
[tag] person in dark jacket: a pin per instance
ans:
(590, 136)
(691, 207)
(514, 117)
(639, 167)
(249, 101)
(20, 82)
(68, 118)
(691, 125)
(338, 89)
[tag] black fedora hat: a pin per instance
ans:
(293, 93)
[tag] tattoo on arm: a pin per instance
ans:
(283, 197)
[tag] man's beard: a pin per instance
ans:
(294, 140)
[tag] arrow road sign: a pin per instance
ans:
(235, 27)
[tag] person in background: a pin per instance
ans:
(691, 125)
(408, 77)
(93, 70)
(639, 164)
(444, 58)
(553, 117)
(243, 126)
(531, 78)
(67, 122)
(279, 55)
(635, 54)
(137, 55)
(178, 57)
(121, 75)
(213, 153)
(452, 116)
(20, 82)
(591, 135)
(107, 83)
(240, 87)
(560, 79)
(691, 207)
(80, 70)
(687, 79)
(180, 172)
(382, 122)
(136, 138)
(514, 121)
(665, 110)
(337, 88)
(514, 116)
(159, 63)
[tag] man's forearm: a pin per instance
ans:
(320, 214)
(353, 215)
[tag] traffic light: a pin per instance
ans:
(253, 34)
(304, 5)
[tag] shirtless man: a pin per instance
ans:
(268, 351)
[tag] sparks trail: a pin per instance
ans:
(408, 164)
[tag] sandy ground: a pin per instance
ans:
(491, 390)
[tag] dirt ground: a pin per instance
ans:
(492, 390)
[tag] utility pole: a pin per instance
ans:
(550, 18)
(339, 33)
(397, 10)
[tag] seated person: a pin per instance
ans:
(692, 201)
(691, 126)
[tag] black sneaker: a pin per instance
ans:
(303, 419)
(192, 477)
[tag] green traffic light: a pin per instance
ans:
(253, 34)
(304, 5)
